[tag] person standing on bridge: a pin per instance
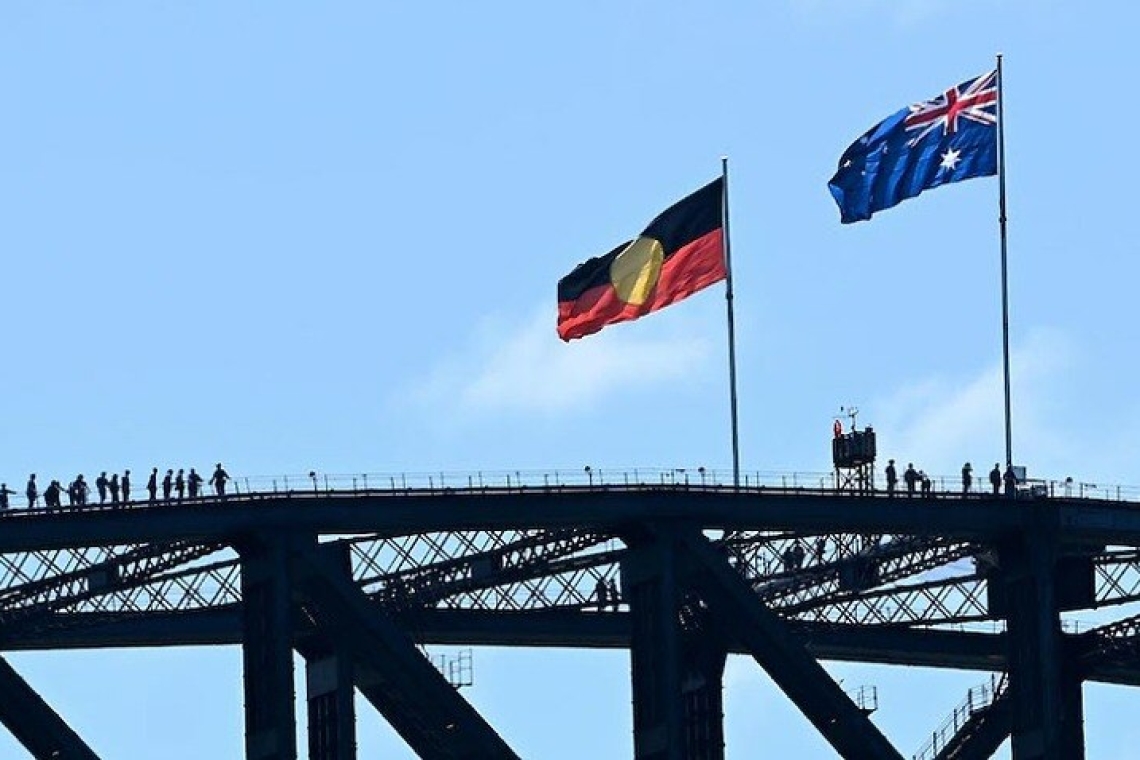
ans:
(218, 480)
(51, 494)
(967, 477)
(180, 484)
(910, 477)
(126, 486)
(601, 593)
(194, 480)
(5, 492)
(32, 492)
(615, 595)
(81, 490)
(798, 555)
(995, 478)
(1010, 479)
(167, 485)
(113, 486)
(101, 486)
(892, 477)
(152, 486)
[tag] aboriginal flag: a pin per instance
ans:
(679, 253)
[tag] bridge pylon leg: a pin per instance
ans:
(677, 674)
(267, 653)
(1044, 685)
(1073, 710)
(332, 710)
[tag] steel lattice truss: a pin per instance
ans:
(869, 580)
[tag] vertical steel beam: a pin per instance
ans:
(676, 669)
(1073, 710)
(332, 709)
(1044, 686)
(267, 653)
(649, 578)
(702, 695)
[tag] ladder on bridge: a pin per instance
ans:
(976, 727)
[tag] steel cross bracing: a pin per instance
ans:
(853, 581)
(522, 571)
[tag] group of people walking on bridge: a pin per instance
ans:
(917, 479)
(174, 486)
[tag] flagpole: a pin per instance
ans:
(1004, 258)
(727, 245)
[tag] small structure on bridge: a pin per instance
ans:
(853, 454)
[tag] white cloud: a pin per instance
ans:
(938, 423)
(524, 367)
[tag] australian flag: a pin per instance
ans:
(948, 139)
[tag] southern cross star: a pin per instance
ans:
(950, 159)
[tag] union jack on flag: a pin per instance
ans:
(975, 100)
(950, 138)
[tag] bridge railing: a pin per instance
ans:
(588, 477)
(591, 477)
(978, 698)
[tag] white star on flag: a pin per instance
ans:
(950, 159)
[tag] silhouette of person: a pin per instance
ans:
(615, 595)
(72, 488)
(101, 486)
(995, 478)
(5, 492)
(194, 480)
(925, 480)
(152, 485)
(601, 591)
(1010, 479)
(892, 477)
(967, 477)
(798, 555)
(821, 548)
(126, 485)
(910, 477)
(32, 492)
(180, 484)
(81, 490)
(113, 486)
(51, 494)
(167, 485)
(218, 480)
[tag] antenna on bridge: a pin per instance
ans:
(853, 454)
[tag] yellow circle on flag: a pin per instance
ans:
(635, 270)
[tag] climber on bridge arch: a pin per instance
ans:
(194, 482)
(5, 492)
(218, 480)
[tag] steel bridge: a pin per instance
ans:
(356, 580)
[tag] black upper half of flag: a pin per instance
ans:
(689, 219)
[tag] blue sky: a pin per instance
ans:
(292, 236)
